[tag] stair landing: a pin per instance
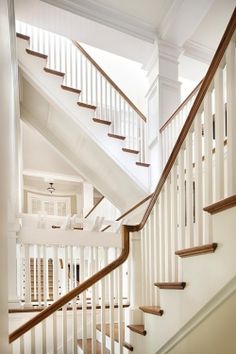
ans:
(116, 334)
(89, 346)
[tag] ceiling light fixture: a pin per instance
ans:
(51, 189)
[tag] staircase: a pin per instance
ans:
(74, 104)
(186, 239)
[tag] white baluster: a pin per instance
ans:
(55, 273)
(162, 236)
(45, 277)
(54, 329)
(174, 230)
(231, 121)
(181, 201)
(198, 172)
(219, 134)
(111, 317)
(167, 239)
(189, 189)
(120, 309)
(22, 345)
(84, 302)
(64, 328)
(103, 304)
(44, 336)
(208, 173)
(27, 276)
(32, 342)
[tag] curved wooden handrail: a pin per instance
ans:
(192, 93)
(130, 210)
(187, 125)
(75, 292)
(126, 98)
(94, 207)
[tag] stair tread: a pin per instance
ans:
(116, 333)
(54, 72)
(199, 250)
(116, 136)
(71, 89)
(102, 121)
(22, 36)
(171, 285)
(143, 164)
(132, 151)
(36, 54)
(86, 105)
(89, 346)
(138, 329)
(154, 310)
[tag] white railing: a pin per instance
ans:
(97, 89)
(171, 129)
(47, 272)
(77, 323)
(203, 172)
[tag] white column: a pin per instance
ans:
(7, 119)
(163, 97)
(13, 299)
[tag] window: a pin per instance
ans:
(49, 205)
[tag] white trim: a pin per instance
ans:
(198, 52)
(212, 305)
(107, 16)
(50, 175)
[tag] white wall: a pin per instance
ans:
(214, 335)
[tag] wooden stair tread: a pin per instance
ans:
(116, 136)
(36, 54)
(143, 164)
(154, 310)
(171, 285)
(54, 72)
(130, 151)
(71, 89)
(102, 121)
(195, 251)
(138, 329)
(221, 205)
(86, 105)
(22, 36)
(89, 346)
(116, 334)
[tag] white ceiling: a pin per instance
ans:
(150, 12)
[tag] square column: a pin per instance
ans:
(163, 97)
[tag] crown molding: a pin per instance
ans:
(198, 52)
(107, 16)
(53, 176)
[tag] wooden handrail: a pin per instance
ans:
(126, 98)
(75, 292)
(192, 93)
(95, 205)
(129, 211)
(187, 125)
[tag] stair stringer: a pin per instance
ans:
(89, 149)
(205, 276)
